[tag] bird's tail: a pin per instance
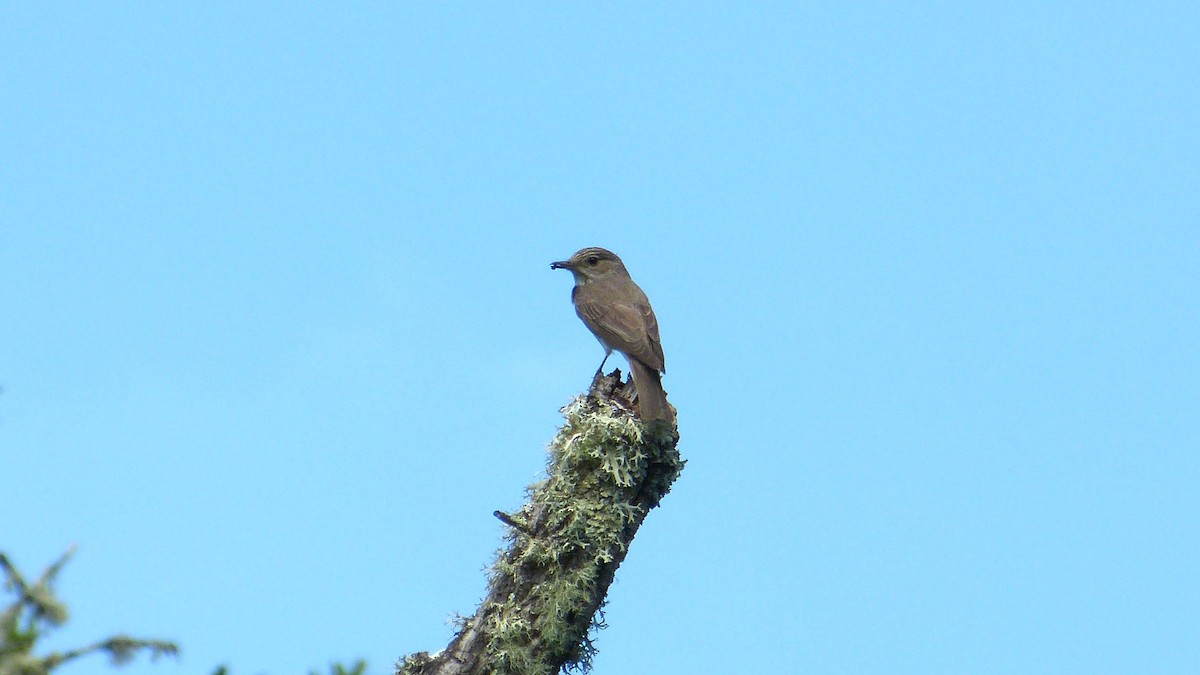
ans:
(652, 400)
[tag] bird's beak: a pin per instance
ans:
(561, 265)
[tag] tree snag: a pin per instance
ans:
(606, 470)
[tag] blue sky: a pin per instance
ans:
(279, 332)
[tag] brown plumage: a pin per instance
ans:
(618, 313)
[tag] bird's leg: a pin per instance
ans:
(600, 370)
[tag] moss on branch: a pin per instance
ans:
(606, 470)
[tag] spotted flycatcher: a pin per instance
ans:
(619, 315)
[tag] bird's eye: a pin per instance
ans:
(593, 260)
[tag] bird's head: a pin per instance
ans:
(590, 264)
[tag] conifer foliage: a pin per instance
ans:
(36, 610)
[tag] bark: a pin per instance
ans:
(545, 592)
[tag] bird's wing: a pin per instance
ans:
(652, 335)
(624, 327)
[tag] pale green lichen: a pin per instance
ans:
(582, 514)
(605, 471)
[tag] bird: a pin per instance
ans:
(618, 313)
